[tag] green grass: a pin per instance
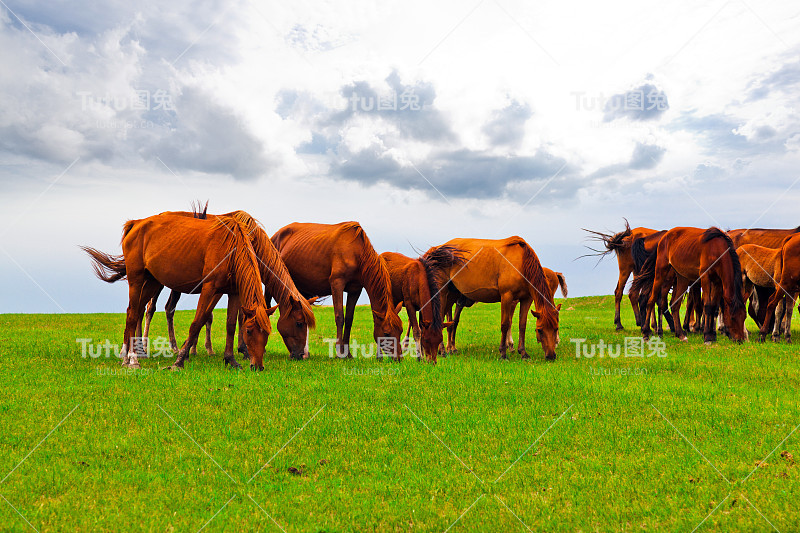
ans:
(580, 443)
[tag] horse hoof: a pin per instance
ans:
(619, 327)
(684, 339)
(708, 343)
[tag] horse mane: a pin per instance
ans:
(532, 271)
(436, 260)
(716, 233)
(196, 210)
(245, 267)
(374, 274)
(274, 273)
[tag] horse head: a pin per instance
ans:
(256, 332)
(547, 330)
(388, 330)
(293, 325)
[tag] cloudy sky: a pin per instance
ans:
(424, 121)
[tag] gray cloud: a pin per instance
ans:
(456, 174)
(644, 157)
(507, 125)
(646, 102)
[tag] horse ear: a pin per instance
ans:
(248, 312)
(271, 310)
(447, 324)
(558, 307)
(312, 300)
(536, 313)
(398, 308)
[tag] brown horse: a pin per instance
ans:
(295, 317)
(185, 254)
(621, 243)
(416, 283)
(686, 255)
(769, 238)
(554, 281)
(788, 283)
(760, 268)
(333, 259)
(506, 271)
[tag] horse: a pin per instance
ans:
(295, 317)
(620, 243)
(331, 259)
(769, 238)
(506, 271)
(415, 282)
(555, 280)
(187, 254)
(685, 255)
(787, 283)
(761, 266)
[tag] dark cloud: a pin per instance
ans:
(409, 107)
(456, 174)
(646, 102)
(507, 125)
(208, 137)
(644, 157)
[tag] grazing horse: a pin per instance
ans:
(506, 271)
(333, 259)
(295, 317)
(415, 282)
(685, 255)
(760, 268)
(554, 281)
(186, 254)
(620, 243)
(788, 283)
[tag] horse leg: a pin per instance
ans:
(413, 326)
(618, 293)
(710, 302)
(232, 315)
(788, 318)
(204, 306)
(169, 309)
(524, 309)
(681, 286)
(506, 313)
(209, 347)
(337, 296)
(151, 310)
(780, 311)
(352, 299)
(139, 293)
(451, 332)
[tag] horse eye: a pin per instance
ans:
(298, 324)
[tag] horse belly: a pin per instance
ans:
(177, 266)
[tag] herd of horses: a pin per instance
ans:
(194, 252)
(719, 271)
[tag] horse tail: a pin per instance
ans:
(107, 267)
(562, 282)
(640, 254)
(643, 280)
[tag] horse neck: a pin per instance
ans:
(532, 270)
(375, 280)
(423, 290)
(246, 273)
(275, 276)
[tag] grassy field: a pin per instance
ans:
(471, 444)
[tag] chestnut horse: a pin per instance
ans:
(789, 281)
(769, 238)
(620, 243)
(295, 317)
(333, 259)
(184, 254)
(415, 282)
(554, 281)
(760, 268)
(684, 256)
(506, 271)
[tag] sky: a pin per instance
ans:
(423, 121)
